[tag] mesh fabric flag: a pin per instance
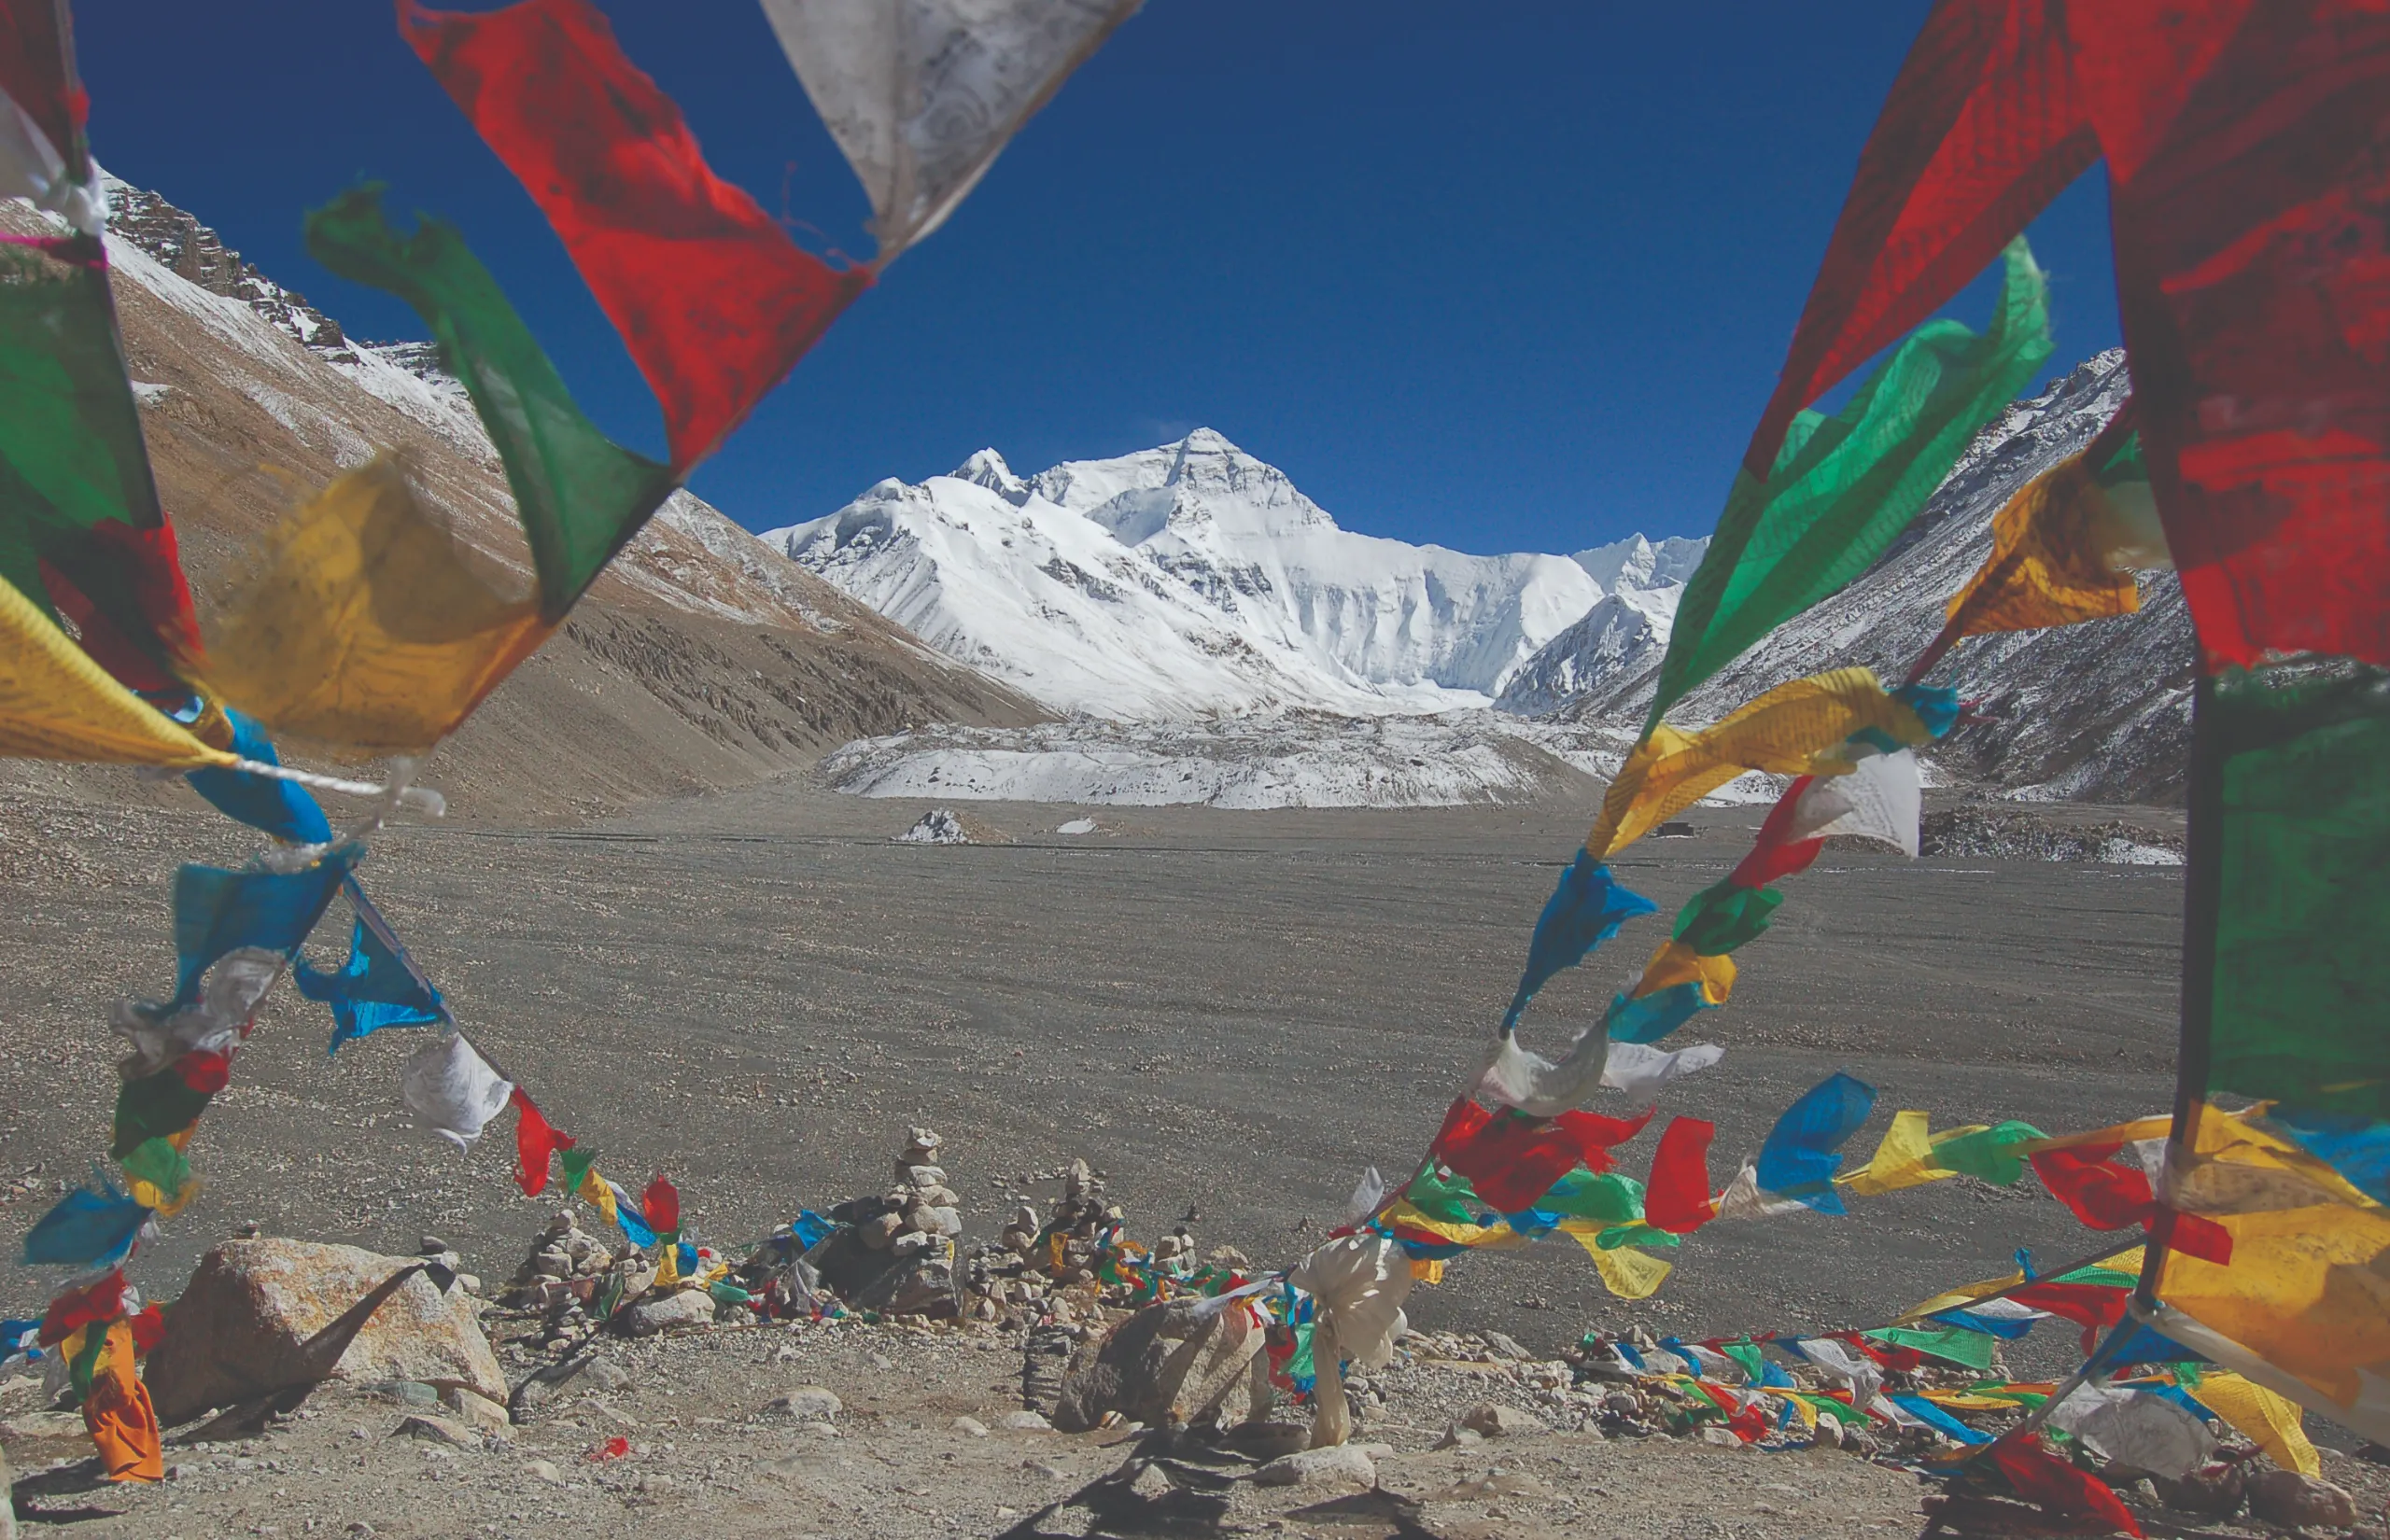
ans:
(1843, 488)
(1798, 1159)
(580, 495)
(368, 624)
(2243, 163)
(1793, 729)
(1586, 909)
(922, 95)
(714, 300)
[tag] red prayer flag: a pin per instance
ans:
(149, 1329)
(536, 1143)
(1676, 1198)
(662, 1204)
(713, 299)
(2091, 1306)
(2104, 1193)
(2041, 1477)
(100, 1301)
(1983, 127)
(1771, 857)
(142, 570)
(1512, 1159)
(2251, 209)
(205, 1073)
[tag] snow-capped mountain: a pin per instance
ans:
(2098, 711)
(1194, 578)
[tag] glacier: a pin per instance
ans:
(1193, 578)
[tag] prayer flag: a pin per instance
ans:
(57, 704)
(369, 625)
(922, 95)
(42, 152)
(282, 808)
(714, 300)
(2055, 555)
(536, 1141)
(580, 495)
(1798, 1159)
(1676, 1198)
(1586, 909)
(118, 1414)
(1804, 521)
(374, 989)
(218, 910)
(88, 1227)
(1796, 729)
(453, 1089)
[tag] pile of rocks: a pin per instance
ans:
(895, 1252)
(563, 1271)
(1049, 1268)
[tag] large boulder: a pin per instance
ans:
(1173, 1363)
(262, 1316)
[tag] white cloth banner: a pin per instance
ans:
(453, 1089)
(922, 95)
(2148, 1433)
(1880, 798)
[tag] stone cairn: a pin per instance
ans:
(1047, 1268)
(565, 1276)
(906, 1237)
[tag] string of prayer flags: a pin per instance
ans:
(373, 989)
(368, 623)
(1586, 908)
(713, 299)
(1794, 729)
(923, 94)
(453, 1089)
(1798, 1159)
(578, 493)
(1816, 513)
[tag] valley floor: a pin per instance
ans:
(1230, 1014)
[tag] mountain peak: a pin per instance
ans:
(988, 468)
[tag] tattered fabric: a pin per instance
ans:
(1793, 729)
(922, 95)
(1842, 488)
(1586, 909)
(2055, 556)
(374, 989)
(218, 910)
(713, 299)
(368, 624)
(453, 1089)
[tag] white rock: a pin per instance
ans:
(809, 1403)
(1340, 1465)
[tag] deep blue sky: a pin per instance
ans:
(1504, 277)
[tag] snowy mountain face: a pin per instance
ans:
(1194, 578)
(2098, 711)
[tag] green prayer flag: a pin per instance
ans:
(1970, 1349)
(1746, 1353)
(1299, 1366)
(153, 1106)
(580, 495)
(160, 1164)
(1722, 917)
(2104, 1277)
(2302, 937)
(1608, 1198)
(1985, 1154)
(71, 453)
(1844, 487)
(1840, 1411)
(1446, 1198)
(1637, 1234)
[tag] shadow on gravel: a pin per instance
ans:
(1173, 1484)
(74, 1480)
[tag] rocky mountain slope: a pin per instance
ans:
(1194, 578)
(703, 659)
(2098, 711)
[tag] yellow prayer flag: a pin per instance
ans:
(1793, 729)
(1951, 1299)
(1900, 1160)
(1411, 1217)
(1676, 963)
(369, 625)
(57, 704)
(668, 1266)
(1626, 1271)
(2052, 559)
(2274, 1423)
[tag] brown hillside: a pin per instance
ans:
(701, 660)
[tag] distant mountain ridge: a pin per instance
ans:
(1194, 578)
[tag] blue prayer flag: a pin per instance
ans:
(1585, 910)
(1799, 1158)
(282, 808)
(87, 1228)
(374, 989)
(216, 911)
